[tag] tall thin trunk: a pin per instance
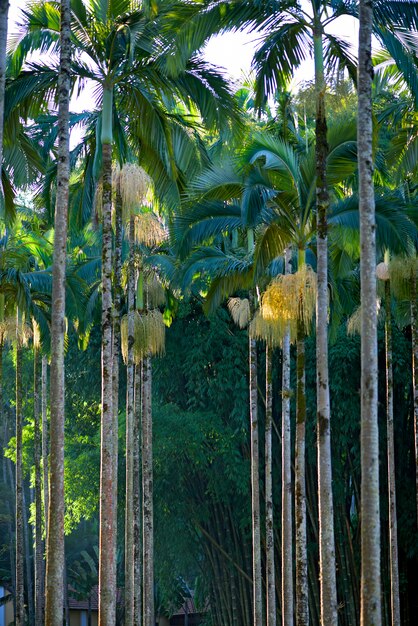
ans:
(66, 603)
(147, 495)
(27, 560)
(270, 577)
(55, 543)
(39, 550)
(117, 261)
(302, 606)
(130, 417)
(137, 499)
(107, 561)
(327, 576)
(370, 520)
(255, 487)
(4, 10)
(393, 523)
(44, 386)
(19, 592)
(9, 485)
(414, 333)
(287, 518)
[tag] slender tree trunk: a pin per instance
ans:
(302, 606)
(27, 560)
(255, 487)
(19, 592)
(107, 560)
(44, 386)
(287, 518)
(370, 520)
(66, 603)
(270, 573)
(393, 522)
(130, 417)
(147, 495)
(414, 333)
(116, 355)
(4, 10)
(55, 542)
(39, 549)
(137, 500)
(327, 576)
(10, 494)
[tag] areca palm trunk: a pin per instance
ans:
(255, 487)
(44, 404)
(137, 500)
(270, 577)
(39, 558)
(130, 383)
(147, 495)
(414, 333)
(55, 540)
(107, 560)
(4, 10)
(302, 605)
(370, 612)
(19, 591)
(393, 523)
(117, 260)
(327, 574)
(287, 518)
(27, 561)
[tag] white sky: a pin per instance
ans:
(234, 51)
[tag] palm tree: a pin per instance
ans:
(287, 517)
(370, 510)
(130, 64)
(143, 336)
(382, 271)
(290, 34)
(289, 300)
(282, 182)
(55, 541)
(20, 605)
(403, 280)
(131, 187)
(39, 549)
(4, 10)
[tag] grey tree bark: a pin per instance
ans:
(130, 417)
(107, 561)
(327, 576)
(44, 403)
(270, 571)
(19, 591)
(116, 338)
(39, 548)
(255, 487)
(4, 11)
(55, 542)
(302, 596)
(393, 522)
(147, 495)
(414, 333)
(137, 499)
(371, 614)
(287, 517)
(27, 561)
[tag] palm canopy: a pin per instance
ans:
(287, 30)
(271, 187)
(271, 183)
(124, 53)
